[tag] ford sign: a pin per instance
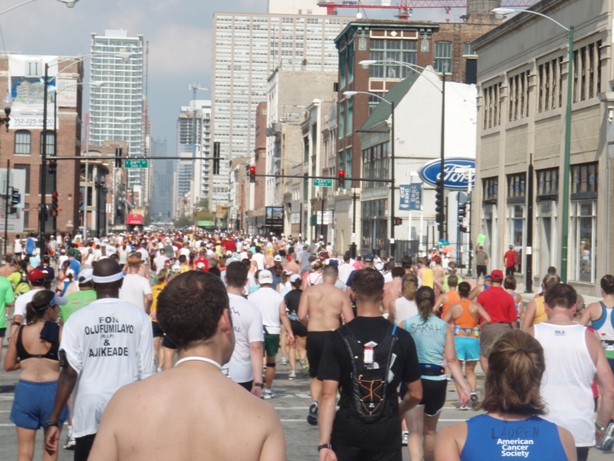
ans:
(457, 173)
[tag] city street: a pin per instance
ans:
(291, 402)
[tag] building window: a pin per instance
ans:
(23, 142)
(342, 67)
(550, 85)
(348, 167)
(394, 50)
(516, 187)
(492, 106)
(587, 72)
(341, 119)
(374, 101)
(583, 251)
(491, 192)
(547, 184)
(50, 136)
(443, 57)
(375, 165)
(374, 226)
(467, 51)
(519, 96)
(25, 168)
(584, 181)
(515, 229)
(349, 125)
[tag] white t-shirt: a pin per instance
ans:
(159, 262)
(144, 254)
(22, 301)
(259, 258)
(405, 309)
(247, 324)
(268, 301)
(18, 248)
(134, 289)
(109, 343)
(344, 272)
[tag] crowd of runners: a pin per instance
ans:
(161, 313)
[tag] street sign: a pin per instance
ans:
(323, 182)
(136, 163)
(411, 197)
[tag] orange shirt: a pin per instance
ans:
(453, 298)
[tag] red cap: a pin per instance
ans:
(36, 275)
(496, 275)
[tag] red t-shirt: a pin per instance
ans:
(499, 304)
(205, 261)
(510, 258)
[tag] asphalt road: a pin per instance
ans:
(291, 402)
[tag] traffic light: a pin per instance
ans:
(13, 200)
(252, 174)
(398, 221)
(53, 166)
(118, 157)
(54, 204)
(341, 175)
(439, 203)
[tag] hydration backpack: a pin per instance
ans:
(371, 373)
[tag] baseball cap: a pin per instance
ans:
(86, 275)
(496, 275)
(294, 278)
(36, 275)
(368, 257)
(277, 258)
(200, 265)
(265, 276)
(46, 298)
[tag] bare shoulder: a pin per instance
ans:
(450, 442)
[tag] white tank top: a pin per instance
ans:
(405, 309)
(566, 385)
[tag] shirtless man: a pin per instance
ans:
(8, 268)
(392, 290)
(321, 309)
(197, 417)
(439, 273)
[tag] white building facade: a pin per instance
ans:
(117, 107)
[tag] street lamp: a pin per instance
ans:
(69, 4)
(567, 154)
(7, 102)
(440, 183)
(349, 94)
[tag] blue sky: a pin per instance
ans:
(178, 32)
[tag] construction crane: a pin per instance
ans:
(405, 6)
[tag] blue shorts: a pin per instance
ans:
(33, 404)
(467, 349)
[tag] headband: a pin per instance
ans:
(108, 279)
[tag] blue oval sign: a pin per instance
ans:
(457, 173)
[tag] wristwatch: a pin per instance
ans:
(53, 423)
(325, 445)
(258, 384)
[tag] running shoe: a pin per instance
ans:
(267, 394)
(312, 417)
(70, 440)
(608, 437)
(463, 407)
(474, 397)
(292, 375)
(284, 361)
(405, 438)
(305, 366)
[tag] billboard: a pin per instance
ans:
(274, 216)
(26, 82)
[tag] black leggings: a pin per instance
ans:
(83, 447)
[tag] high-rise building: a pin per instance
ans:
(247, 48)
(117, 107)
(161, 209)
(194, 143)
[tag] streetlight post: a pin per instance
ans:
(567, 154)
(392, 163)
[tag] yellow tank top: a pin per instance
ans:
(540, 311)
(427, 277)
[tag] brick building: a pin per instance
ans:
(22, 143)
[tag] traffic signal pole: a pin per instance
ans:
(6, 209)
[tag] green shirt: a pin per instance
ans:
(6, 297)
(76, 301)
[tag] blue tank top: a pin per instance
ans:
(430, 339)
(533, 439)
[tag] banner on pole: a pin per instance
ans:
(411, 197)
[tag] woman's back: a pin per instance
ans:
(38, 357)
(533, 438)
